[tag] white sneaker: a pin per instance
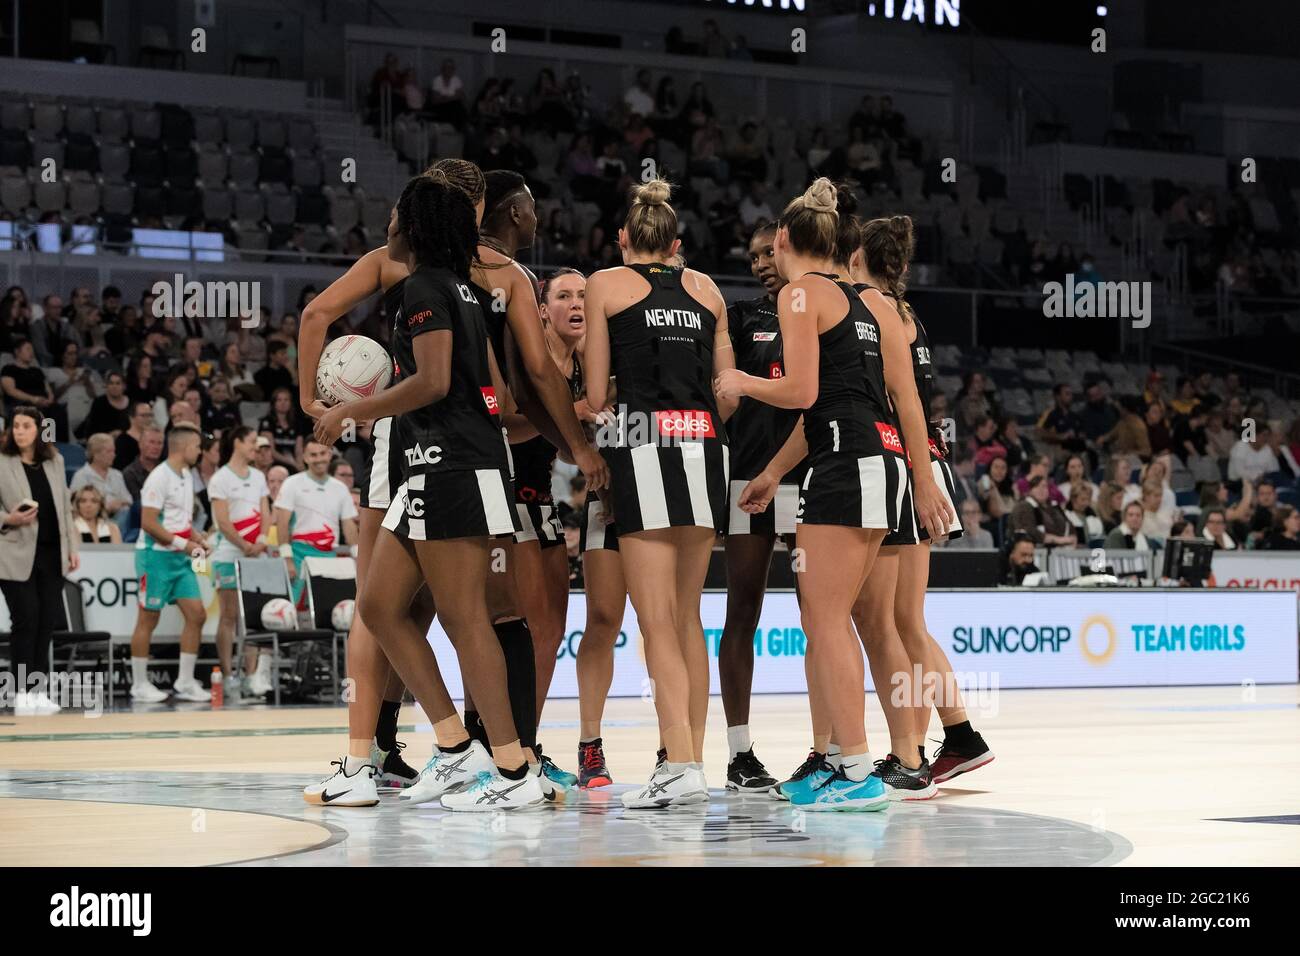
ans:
(446, 772)
(669, 789)
(24, 705)
(41, 703)
(147, 693)
(492, 792)
(551, 791)
(343, 789)
(191, 690)
(257, 685)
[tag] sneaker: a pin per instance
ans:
(257, 685)
(953, 760)
(447, 772)
(41, 703)
(147, 693)
(904, 784)
(669, 789)
(491, 792)
(592, 771)
(746, 774)
(661, 758)
(394, 772)
(813, 771)
(561, 778)
(551, 791)
(24, 704)
(838, 792)
(343, 789)
(191, 690)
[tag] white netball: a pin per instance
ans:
(278, 614)
(352, 367)
(341, 616)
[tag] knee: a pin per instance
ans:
(375, 611)
(659, 619)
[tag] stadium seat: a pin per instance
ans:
(47, 119)
(146, 123)
(118, 198)
(50, 197)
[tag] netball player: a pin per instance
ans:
(662, 331)
(756, 431)
(507, 293)
(241, 511)
(453, 501)
(377, 689)
(843, 357)
(887, 248)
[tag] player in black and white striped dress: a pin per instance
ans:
(453, 501)
(662, 330)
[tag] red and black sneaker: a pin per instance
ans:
(954, 759)
(592, 771)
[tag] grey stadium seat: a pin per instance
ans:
(83, 198)
(376, 213)
(15, 114)
(51, 197)
(240, 131)
(80, 118)
(306, 171)
(113, 123)
(249, 206)
(118, 198)
(271, 132)
(146, 123)
(218, 203)
(47, 119)
(243, 169)
(344, 213)
(43, 148)
(280, 209)
(302, 135)
(208, 129)
(15, 194)
(212, 167)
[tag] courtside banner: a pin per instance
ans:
(1264, 570)
(1029, 637)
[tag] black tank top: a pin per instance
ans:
(851, 413)
(534, 458)
(661, 355)
(922, 370)
(758, 430)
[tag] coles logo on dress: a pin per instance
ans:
(685, 424)
(889, 439)
(490, 399)
(934, 450)
(775, 370)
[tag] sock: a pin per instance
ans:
(834, 757)
(738, 739)
(583, 741)
(521, 678)
(517, 774)
(696, 765)
(185, 675)
(386, 726)
(139, 671)
(921, 751)
(474, 725)
(676, 767)
(352, 764)
(857, 766)
(958, 734)
(460, 748)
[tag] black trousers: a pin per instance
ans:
(36, 610)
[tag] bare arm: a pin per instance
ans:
(350, 531)
(595, 347)
(221, 516)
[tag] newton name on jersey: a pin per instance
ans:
(673, 318)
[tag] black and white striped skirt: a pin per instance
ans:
(540, 523)
(597, 534)
(856, 492)
(453, 504)
(910, 530)
(669, 486)
(383, 471)
(779, 518)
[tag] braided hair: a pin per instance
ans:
(436, 219)
(888, 245)
(463, 174)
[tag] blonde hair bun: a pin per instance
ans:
(821, 196)
(654, 193)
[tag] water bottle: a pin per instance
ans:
(218, 688)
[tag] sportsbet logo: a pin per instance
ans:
(685, 424)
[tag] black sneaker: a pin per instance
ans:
(813, 763)
(904, 784)
(592, 771)
(394, 772)
(661, 758)
(746, 774)
(951, 760)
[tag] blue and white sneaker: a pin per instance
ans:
(491, 792)
(562, 779)
(813, 772)
(447, 772)
(840, 793)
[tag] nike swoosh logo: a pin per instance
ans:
(326, 796)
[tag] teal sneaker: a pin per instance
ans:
(561, 778)
(813, 771)
(838, 792)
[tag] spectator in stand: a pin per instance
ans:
(1293, 441)
(1060, 425)
(1132, 438)
(866, 117)
(140, 383)
(1186, 400)
(1019, 448)
(974, 536)
(15, 321)
(488, 105)
(1128, 535)
(264, 455)
(275, 476)
(1214, 528)
(447, 96)
(713, 43)
(1214, 494)
(1040, 467)
(964, 483)
(1260, 523)
(546, 102)
(123, 336)
(388, 77)
(697, 110)
(1076, 475)
(232, 369)
(98, 472)
(284, 426)
(1287, 465)
(996, 489)
(1110, 505)
(1040, 518)
(1219, 440)
(178, 382)
(24, 383)
(1099, 415)
(151, 449)
(748, 157)
(90, 520)
(640, 97)
(740, 49)
(1252, 460)
(87, 330)
(1020, 560)
(1157, 517)
(126, 448)
(341, 469)
(973, 402)
(754, 208)
(182, 412)
(48, 331)
(110, 304)
(1285, 535)
(984, 445)
(74, 386)
(1085, 524)
(222, 410)
(276, 374)
(1157, 471)
(1158, 432)
(110, 412)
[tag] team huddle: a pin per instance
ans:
(802, 414)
